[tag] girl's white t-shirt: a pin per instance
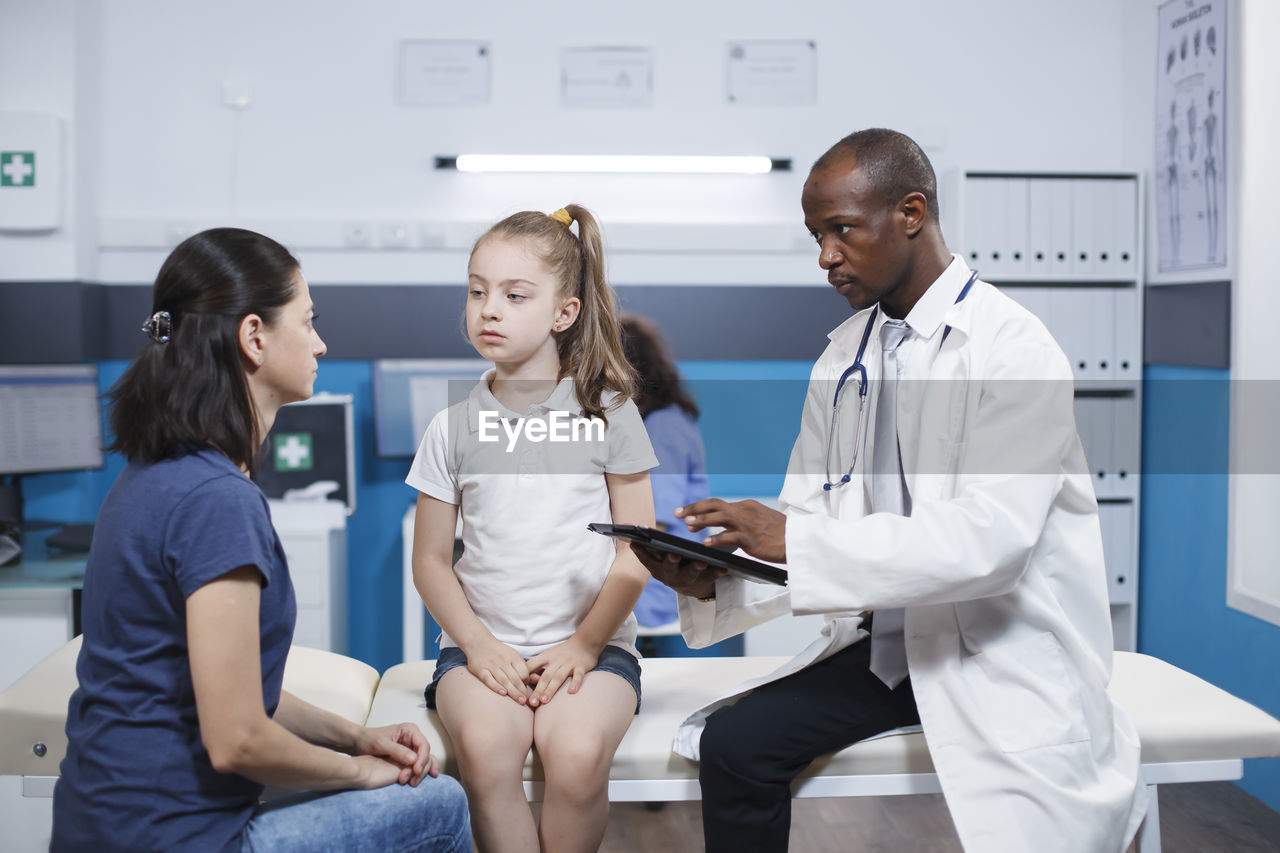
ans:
(531, 569)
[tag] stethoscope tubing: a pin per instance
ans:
(861, 370)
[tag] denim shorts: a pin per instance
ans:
(613, 659)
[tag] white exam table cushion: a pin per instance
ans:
(1179, 718)
(33, 710)
(1183, 718)
(331, 681)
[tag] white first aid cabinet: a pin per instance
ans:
(31, 167)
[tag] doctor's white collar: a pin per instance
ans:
(925, 318)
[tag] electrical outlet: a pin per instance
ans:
(178, 230)
(237, 92)
(432, 235)
(394, 235)
(357, 234)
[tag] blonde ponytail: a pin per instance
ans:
(591, 349)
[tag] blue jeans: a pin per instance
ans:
(396, 819)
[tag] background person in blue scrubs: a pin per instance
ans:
(671, 419)
(179, 719)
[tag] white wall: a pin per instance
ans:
(985, 84)
(37, 73)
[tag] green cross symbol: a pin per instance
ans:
(293, 452)
(17, 168)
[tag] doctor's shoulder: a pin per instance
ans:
(1000, 317)
(1017, 339)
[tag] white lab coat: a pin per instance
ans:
(999, 567)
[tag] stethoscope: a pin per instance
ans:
(859, 368)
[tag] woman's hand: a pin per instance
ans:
(374, 772)
(500, 668)
(570, 661)
(403, 745)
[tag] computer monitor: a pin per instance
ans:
(407, 394)
(50, 420)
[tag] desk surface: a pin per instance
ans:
(40, 567)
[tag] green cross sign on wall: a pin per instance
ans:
(17, 168)
(292, 452)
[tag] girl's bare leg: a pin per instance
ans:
(576, 735)
(491, 737)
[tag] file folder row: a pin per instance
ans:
(1110, 432)
(1098, 328)
(1119, 549)
(1051, 227)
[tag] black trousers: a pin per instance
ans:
(753, 749)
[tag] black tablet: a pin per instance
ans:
(669, 543)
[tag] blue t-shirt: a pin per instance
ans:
(136, 775)
(679, 479)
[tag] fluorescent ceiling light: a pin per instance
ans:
(618, 163)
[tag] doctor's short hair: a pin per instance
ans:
(892, 161)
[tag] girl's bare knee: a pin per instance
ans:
(578, 767)
(485, 753)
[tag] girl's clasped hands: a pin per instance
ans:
(535, 681)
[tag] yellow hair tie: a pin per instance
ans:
(562, 216)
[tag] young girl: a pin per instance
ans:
(539, 641)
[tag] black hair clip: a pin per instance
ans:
(159, 327)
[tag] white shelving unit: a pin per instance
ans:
(314, 536)
(1067, 247)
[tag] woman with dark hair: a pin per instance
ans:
(179, 720)
(670, 417)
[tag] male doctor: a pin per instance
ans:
(939, 512)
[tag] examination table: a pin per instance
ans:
(1191, 731)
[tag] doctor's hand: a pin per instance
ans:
(687, 577)
(749, 525)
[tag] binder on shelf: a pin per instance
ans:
(1069, 315)
(1102, 326)
(1105, 257)
(1014, 243)
(1093, 419)
(1060, 226)
(1039, 227)
(1084, 428)
(1126, 444)
(1128, 333)
(1117, 522)
(1106, 483)
(1125, 203)
(976, 225)
(1083, 211)
(994, 228)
